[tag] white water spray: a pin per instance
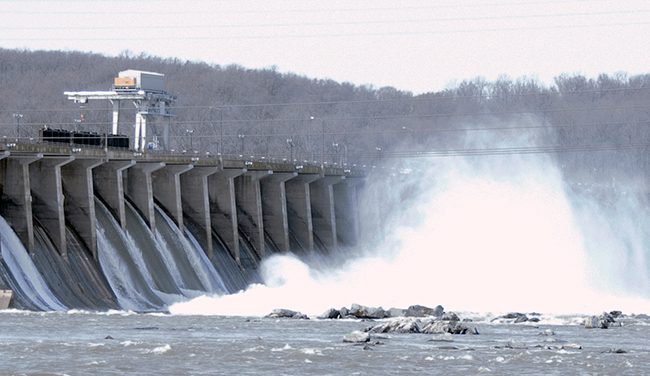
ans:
(492, 234)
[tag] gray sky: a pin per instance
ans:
(414, 45)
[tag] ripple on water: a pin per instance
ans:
(159, 350)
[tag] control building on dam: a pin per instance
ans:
(110, 227)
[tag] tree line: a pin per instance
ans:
(592, 124)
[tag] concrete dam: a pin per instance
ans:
(99, 228)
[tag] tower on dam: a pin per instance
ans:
(146, 91)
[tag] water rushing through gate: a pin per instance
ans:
(25, 278)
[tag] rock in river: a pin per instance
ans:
(363, 312)
(287, 313)
(401, 325)
(330, 314)
(451, 327)
(356, 337)
(422, 311)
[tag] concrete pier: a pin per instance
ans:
(139, 189)
(323, 212)
(248, 197)
(346, 209)
(274, 209)
(167, 189)
(299, 210)
(80, 200)
(108, 181)
(223, 208)
(196, 201)
(17, 196)
(46, 184)
(279, 204)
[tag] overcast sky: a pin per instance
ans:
(414, 45)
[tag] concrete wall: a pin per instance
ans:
(223, 208)
(299, 216)
(17, 197)
(167, 190)
(108, 182)
(322, 210)
(195, 199)
(286, 207)
(80, 200)
(47, 185)
(346, 209)
(139, 188)
(248, 197)
(274, 208)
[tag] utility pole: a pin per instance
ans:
(290, 143)
(221, 131)
(190, 132)
(241, 150)
(18, 116)
(311, 147)
(335, 146)
(322, 157)
(268, 141)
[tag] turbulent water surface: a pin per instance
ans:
(82, 344)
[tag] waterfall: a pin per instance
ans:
(24, 272)
(123, 271)
(189, 258)
(208, 271)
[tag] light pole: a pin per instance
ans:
(290, 143)
(190, 132)
(268, 141)
(18, 116)
(335, 146)
(241, 138)
(322, 157)
(311, 147)
(221, 131)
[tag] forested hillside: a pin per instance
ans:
(593, 124)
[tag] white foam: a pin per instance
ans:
(160, 349)
(128, 343)
(485, 236)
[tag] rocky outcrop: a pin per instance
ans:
(451, 327)
(359, 311)
(356, 337)
(406, 325)
(330, 314)
(422, 311)
(426, 326)
(364, 312)
(517, 317)
(286, 313)
(604, 321)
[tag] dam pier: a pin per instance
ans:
(270, 206)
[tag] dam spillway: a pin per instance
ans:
(112, 228)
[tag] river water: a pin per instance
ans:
(126, 343)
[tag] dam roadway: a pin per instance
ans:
(279, 205)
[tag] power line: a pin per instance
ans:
(323, 35)
(297, 10)
(372, 117)
(431, 97)
(335, 23)
(410, 132)
(502, 151)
